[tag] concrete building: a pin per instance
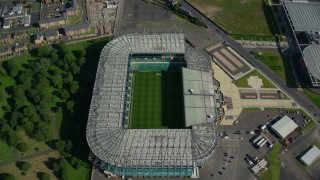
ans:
(21, 19)
(76, 29)
(284, 127)
(304, 18)
(310, 156)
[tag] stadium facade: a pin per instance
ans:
(304, 19)
(115, 147)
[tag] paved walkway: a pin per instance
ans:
(228, 89)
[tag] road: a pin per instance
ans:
(301, 99)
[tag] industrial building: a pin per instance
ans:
(310, 156)
(304, 18)
(284, 127)
(120, 150)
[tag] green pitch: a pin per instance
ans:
(157, 100)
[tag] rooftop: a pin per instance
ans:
(305, 16)
(284, 126)
(311, 56)
(310, 156)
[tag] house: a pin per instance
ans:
(19, 48)
(5, 38)
(5, 51)
(52, 22)
(16, 10)
(19, 35)
(76, 29)
(21, 19)
(73, 9)
(50, 1)
(47, 35)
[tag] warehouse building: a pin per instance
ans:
(310, 156)
(284, 127)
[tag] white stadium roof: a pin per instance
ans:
(284, 126)
(310, 156)
(111, 143)
(305, 16)
(311, 56)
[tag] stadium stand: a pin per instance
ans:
(145, 152)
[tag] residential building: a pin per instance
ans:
(5, 51)
(19, 35)
(76, 29)
(5, 38)
(53, 22)
(47, 35)
(50, 1)
(73, 9)
(19, 48)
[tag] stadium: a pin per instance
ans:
(154, 107)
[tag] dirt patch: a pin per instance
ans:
(210, 11)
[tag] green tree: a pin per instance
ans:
(68, 78)
(64, 94)
(12, 68)
(44, 51)
(7, 176)
(82, 60)
(57, 81)
(44, 176)
(23, 147)
(81, 53)
(70, 105)
(59, 145)
(73, 87)
(24, 166)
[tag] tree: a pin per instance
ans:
(73, 87)
(68, 78)
(24, 166)
(44, 51)
(81, 53)
(70, 105)
(44, 176)
(57, 81)
(59, 145)
(64, 94)
(23, 147)
(12, 68)
(82, 60)
(7, 176)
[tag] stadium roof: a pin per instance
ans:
(305, 16)
(284, 126)
(120, 150)
(198, 97)
(310, 156)
(311, 56)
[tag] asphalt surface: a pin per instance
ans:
(301, 99)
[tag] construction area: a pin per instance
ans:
(102, 15)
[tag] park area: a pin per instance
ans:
(157, 100)
(236, 16)
(43, 94)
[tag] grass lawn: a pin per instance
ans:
(83, 173)
(235, 16)
(243, 82)
(278, 64)
(32, 144)
(157, 100)
(37, 165)
(317, 144)
(273, 173)
(6, 151)
(315, 98)
(36, 6)
(310, 126)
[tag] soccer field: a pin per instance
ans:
(157, 100)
